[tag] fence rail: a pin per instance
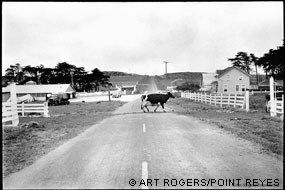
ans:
(219, 99)
(279, 106)
(276, 106)
(41, 108)
(9, 113)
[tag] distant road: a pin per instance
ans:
(153, 87)
(131, 146)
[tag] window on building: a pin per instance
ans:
(240, 77)
(237, 88)
(228, 77)
(243, 88)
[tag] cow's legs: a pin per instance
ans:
(146, 108)
(156, 107)
(162, 105)
(142, 107)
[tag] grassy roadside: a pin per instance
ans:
(23, 146)
(256, 125)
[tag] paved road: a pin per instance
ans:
(161, 146)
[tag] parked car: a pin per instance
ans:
(58, 99)
(116, 95)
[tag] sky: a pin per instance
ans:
(138, 37)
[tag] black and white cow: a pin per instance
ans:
(155, 100)
(277, 95)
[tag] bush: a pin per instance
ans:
(188, 86)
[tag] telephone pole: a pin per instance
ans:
(165, 67)
(165, 74)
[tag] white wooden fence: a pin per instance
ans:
(276, 106)
(41, 108)
(9, 108)
(280, 106)
(220, 99)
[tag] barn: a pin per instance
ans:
(41, 92)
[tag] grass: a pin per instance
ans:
(256, 125)
(257, 101)
(22, 146)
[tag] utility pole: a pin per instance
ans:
(72, 71)
(165, 67)
(165, 74)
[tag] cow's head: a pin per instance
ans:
(170, 95)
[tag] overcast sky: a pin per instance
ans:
(138, 37)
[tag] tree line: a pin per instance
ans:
(272, 62)
(62, 73)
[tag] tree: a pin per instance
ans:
(63, 72)
(253, 59)
(188, 86)
(242, 60)
(99, 79)
(47, 76)
(14, 73)
(79, 79)
(273, 62)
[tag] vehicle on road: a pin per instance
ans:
(116, 95)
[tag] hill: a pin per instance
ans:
(122, 78)
(118, 73)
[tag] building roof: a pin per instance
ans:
(30, 82)
(266, 82)
(208, 78)
(45, 88)
(253, 79)
(230, 68)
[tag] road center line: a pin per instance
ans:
(144, 174)
(144, 128)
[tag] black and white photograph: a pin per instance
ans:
(142, 95)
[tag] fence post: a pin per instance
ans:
(210, 99)
(229, 99)
(46, 114)
(215, 99)
(247, 101)
(22, 107)
(221, 100)
(14, 108)
(272, 98)
(235, 100)
(199, 97)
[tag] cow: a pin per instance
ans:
(155, 100)
(277, 95)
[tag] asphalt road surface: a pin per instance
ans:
(163, 149)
